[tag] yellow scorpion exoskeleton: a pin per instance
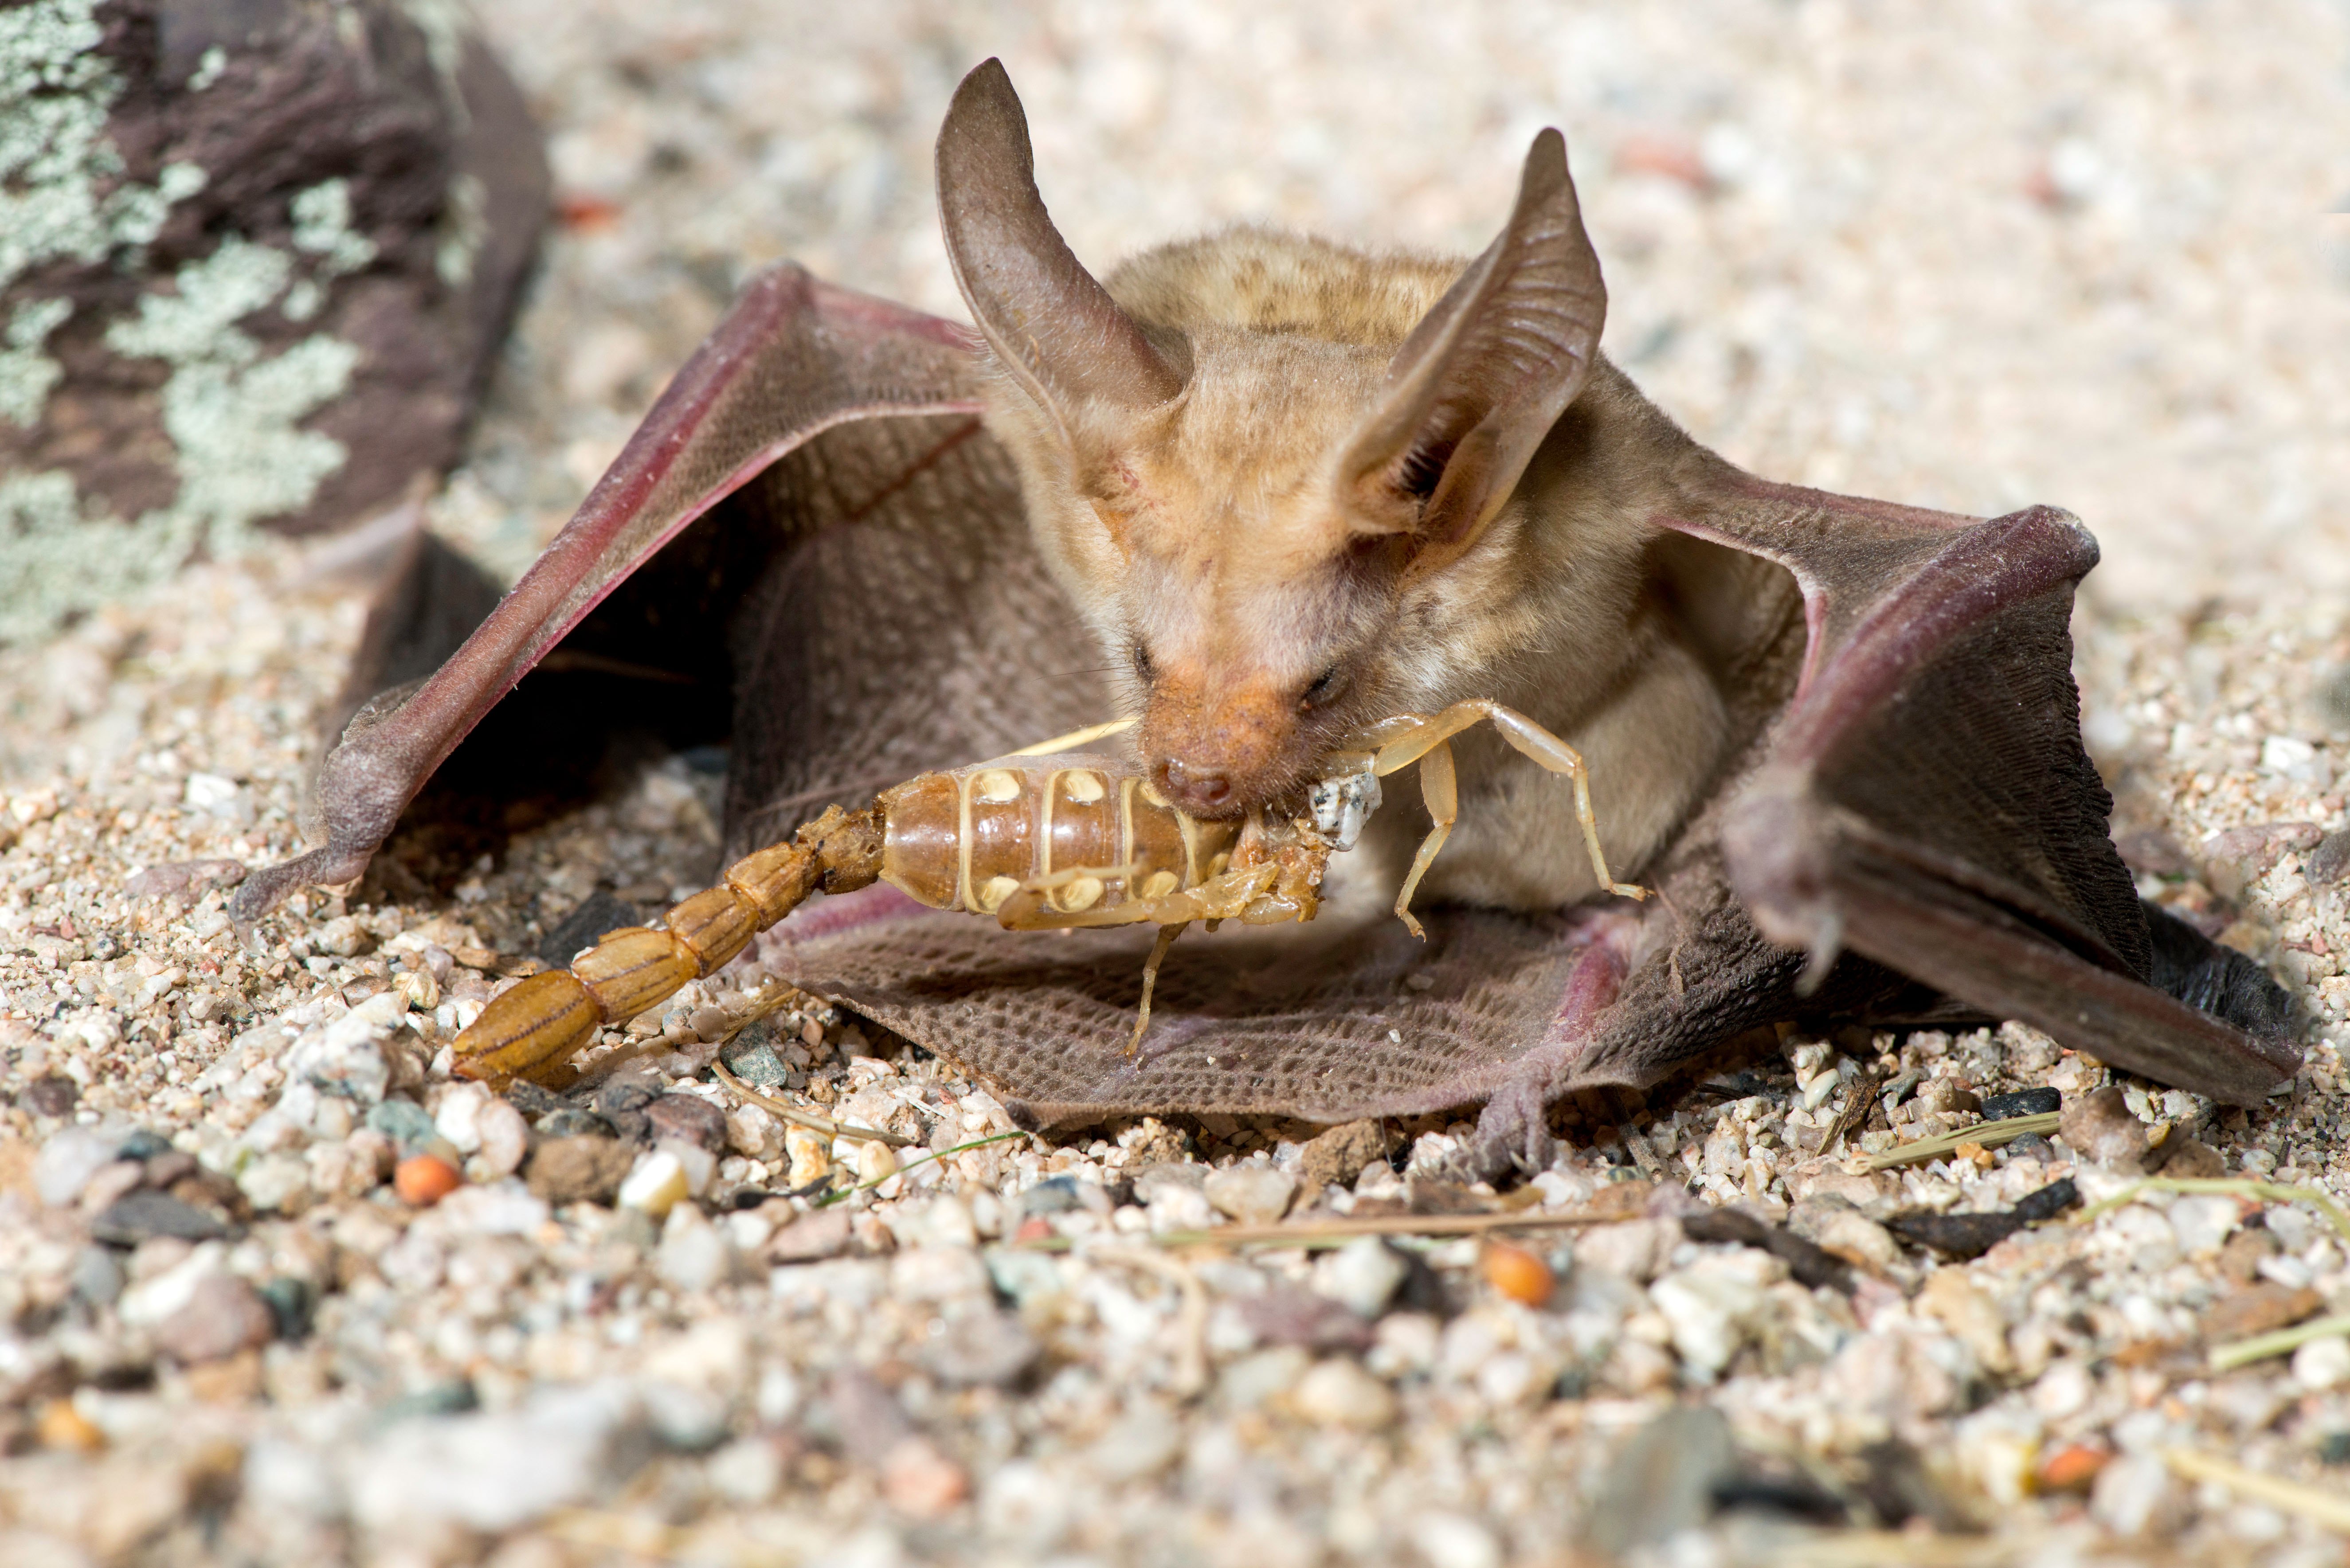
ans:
(1047, 838)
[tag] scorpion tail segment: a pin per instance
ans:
(528, 1028)
(538, 1023)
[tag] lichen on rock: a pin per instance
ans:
(253, 261)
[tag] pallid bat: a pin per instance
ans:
(1285, 488)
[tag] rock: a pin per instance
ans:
(457, 1115)
(222, 1316)
(51, 1095)
(424, 1180)
(1633, 1248)
(497, 1471)
(1810, 1264)
(1846, 1232)
(2330, 861)
(1971, 1235)
(579, 1169)
(657, 1184)
(987, 1349)
(824, 1233)
(1708, 1306)
(260, 267)
(1455, 1541)
(347, 1057)
(1338, 1155)
(747, 1472)
(2098, 1126)
(753, 1133)
(1362, 1276)
(1971, 1317)
(276, 1182)
(2022, 1103)
(2135, 1494)
(570, 1121)
(1338, 1393)
(69, 1160)
(2258, 1309)
(1251, 1194)
(404, 1121)
(97, 1276)
(1517, 1274)
(2191, 1158)
(504, 1137)
(919, 1480)
(688, 1118)
(1287, 1315)
(2322, 1364)
(694, 1254)
(2203, 1221)
(1661, 1481)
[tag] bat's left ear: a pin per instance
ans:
(1486, 373)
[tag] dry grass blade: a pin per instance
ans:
(830, 1198)
(1328, 1234)
(2329, 1510)
(1991, 1135)
(2261, 1347)
(808, 1119)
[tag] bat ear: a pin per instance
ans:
(1045, 317)
(1486, 373)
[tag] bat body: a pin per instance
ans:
(1286, 489)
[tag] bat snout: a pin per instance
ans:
(1194, 790)
(1218, 753)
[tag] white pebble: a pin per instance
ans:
(694, 1254)
(657, 1185)
(457, 1117)
(1449, 1541)
(1337, 1393)
(1252, 1194)
(2322, 1364)
(504, 1137)
(1362, 1276)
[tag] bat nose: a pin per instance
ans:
(1200, 791)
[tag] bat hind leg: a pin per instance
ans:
(1167, 935)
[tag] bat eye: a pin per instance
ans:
(1143, 669)
(1324, 687)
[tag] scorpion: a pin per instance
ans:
(1047, 838)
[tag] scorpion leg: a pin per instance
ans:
(1437, 787)
(1167, 935)
(1532, 741)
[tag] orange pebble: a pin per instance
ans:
(2072, 1468)
(424, 1180)
(1517, 1274)
(61, 1426)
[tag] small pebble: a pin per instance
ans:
(2073, 1467)
(50, 1097)
(1251, 1194)
(2258, 1309)
(2098, 1126)
(424, 1180)
(1338, 1393)
(1362, 1276)
(61, 1425)
(1517, 1274)
(916, 1479)
(688, 1118)
(1335, 1157)
(504, 1137)
(136, 1216)
(579, 1169)
(2322, 1364)
(875, 1161)
(657, 1185)
(403, 1121)
(222, 1316)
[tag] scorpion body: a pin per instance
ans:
(1041, 839)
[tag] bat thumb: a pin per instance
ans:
(1827, 942)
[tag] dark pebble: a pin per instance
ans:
(143, 1144)
(2048, 1202)
(138, 1215)
(1053, 1195)
(97, 1276)
(453, 1397)
(585, 926)
(578, 1169)
(404, 1123)
(2031, 1145)
(2333, 1448)
(755, 1061)
(2022, 1103)
(1810, 1264)
(2330, 861)
(533, 1101)
(573, 1122)
(292, 1304)
(688, 1118)
(50, 1097)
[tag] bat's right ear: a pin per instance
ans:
(1047, 318)
(1486, 373)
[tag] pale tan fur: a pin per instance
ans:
(1217, 530)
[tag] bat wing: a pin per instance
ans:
(1926, 802)
(794, 358)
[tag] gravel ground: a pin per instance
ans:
(2084, 254)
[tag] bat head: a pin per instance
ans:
(1276, 475)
